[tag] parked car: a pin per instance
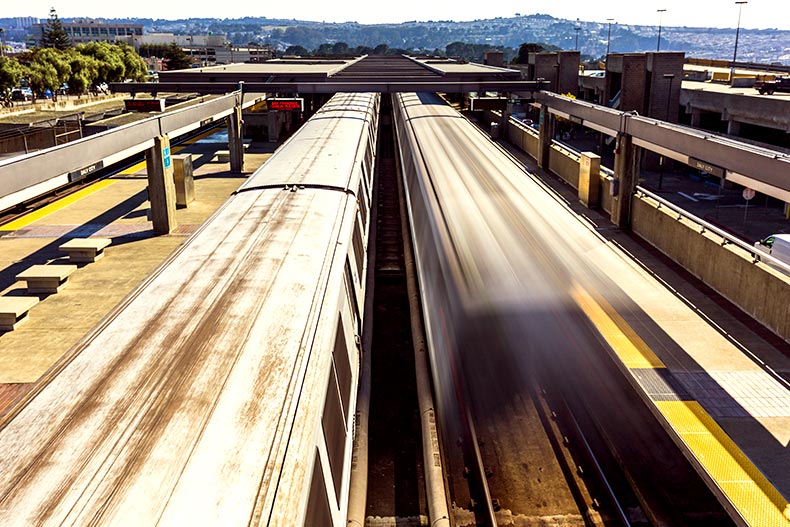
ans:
(780, 84)
(777, 245)
(22, 94)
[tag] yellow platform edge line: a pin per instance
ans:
(631, 349)
(761, 504)
(38, 214)
(141, 165)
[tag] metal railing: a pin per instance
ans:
(727, 238)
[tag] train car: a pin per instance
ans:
(222, 391)
(494, 271)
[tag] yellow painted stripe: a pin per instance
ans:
(36, 215)
(137, 167)
(747, 488)
(631, 349)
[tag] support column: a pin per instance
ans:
(590, 179)
(274, 126)
(161, 189)
(546, 133)
(733, 127)
(626, 170)
(235, 143)
(696, 117)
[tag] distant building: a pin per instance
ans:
(24, 22)
(90, 30)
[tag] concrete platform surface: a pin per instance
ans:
(115, 209)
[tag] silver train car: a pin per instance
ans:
(495, 270)
(222, 391)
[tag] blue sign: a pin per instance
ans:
(166, 156)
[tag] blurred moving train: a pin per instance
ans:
(496, 262)
(222, 391)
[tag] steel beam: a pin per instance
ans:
(444, 86)
(67, 161)
(752, 166)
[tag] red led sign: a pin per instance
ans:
(285, 104)
(144, 105)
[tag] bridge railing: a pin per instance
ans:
(726, 238)
(27, 176)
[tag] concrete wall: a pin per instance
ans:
(565, 165)
(759, 290)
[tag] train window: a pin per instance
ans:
(359, 249)
(362, 198)
(318, 512)
(334, 430)
(342, 367)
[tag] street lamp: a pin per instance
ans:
(670, 77)
(577, 29)
(609, 35)
(660, 19)
(738, 30)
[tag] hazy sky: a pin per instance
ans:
(705, 13)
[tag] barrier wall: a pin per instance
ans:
(756, 288)
(759, 290)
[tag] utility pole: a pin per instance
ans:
(737, 31)
(660, 19)
(609, 35)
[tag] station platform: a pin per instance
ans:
(114, 208)
(716, 378)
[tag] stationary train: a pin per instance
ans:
(222, 391)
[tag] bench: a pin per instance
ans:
(13, 310)
(46, 279)
(223, 156)
(85, 250)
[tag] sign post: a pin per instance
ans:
(748, 194)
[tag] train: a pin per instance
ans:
(496, 265)
(222, 391)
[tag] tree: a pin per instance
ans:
(175, 58)
(47, 69)
(381, 49)
(53, 35)
(10, 74)
(84, 72)
(340, 48)
(297, 50)
(135, 67)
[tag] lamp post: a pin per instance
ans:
(2, 42)
(670, 77)
(577, 29)
(737, 31)
(660, 19)
(609, 35)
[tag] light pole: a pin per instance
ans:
(670, 77)
(609, 35)
(577, 29)
(2, 44)
(737, 30)
(660, 19)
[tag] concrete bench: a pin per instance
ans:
(223, 156)
(85, 250)
(13, 310)
(46, 279)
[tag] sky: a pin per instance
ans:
(697, 13)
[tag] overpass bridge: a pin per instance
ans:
(694, 376)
